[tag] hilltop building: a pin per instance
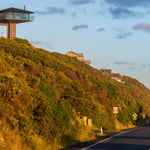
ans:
(11, 16)
(78, 56)
(112, 75)
(106, 71)
(109, 72)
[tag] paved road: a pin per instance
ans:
(135, 139)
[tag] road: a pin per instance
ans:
(135, 139)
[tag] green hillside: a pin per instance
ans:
(44, 95)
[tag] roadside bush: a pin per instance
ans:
(63, 115)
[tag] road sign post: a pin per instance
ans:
(115, 112)
(134, 117)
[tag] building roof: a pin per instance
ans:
(15, 10)
(76, 54)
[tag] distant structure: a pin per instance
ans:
(78, 56)
(112, 75)
(106, 71)
(11, 16)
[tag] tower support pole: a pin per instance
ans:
(11, 30)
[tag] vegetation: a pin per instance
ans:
(44, 96)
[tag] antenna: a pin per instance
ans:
(24, 7)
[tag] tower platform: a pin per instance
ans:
(11, 16)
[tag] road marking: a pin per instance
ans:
(109, 138)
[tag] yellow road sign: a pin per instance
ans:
(134, 116)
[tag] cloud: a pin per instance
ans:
(100, 30)
(145, 65)
(121, 9)
(52, 10)
(142, 26)
(74, 14)
(123, 35)
(79, 27)
(122, 13)
(129, 3)
(39, 43)
(81, 2)
(131, 65)
(121, 63)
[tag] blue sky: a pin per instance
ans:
(113, 34)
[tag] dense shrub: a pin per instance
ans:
(44, 95)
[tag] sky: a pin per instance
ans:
(113, 34)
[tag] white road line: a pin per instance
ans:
(101, 141)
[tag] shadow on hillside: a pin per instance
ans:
(81, 145)
(115, 146)
(68, 140)
(124, 144)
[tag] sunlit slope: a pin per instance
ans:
(44, 95)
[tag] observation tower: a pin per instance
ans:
(11, 16)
